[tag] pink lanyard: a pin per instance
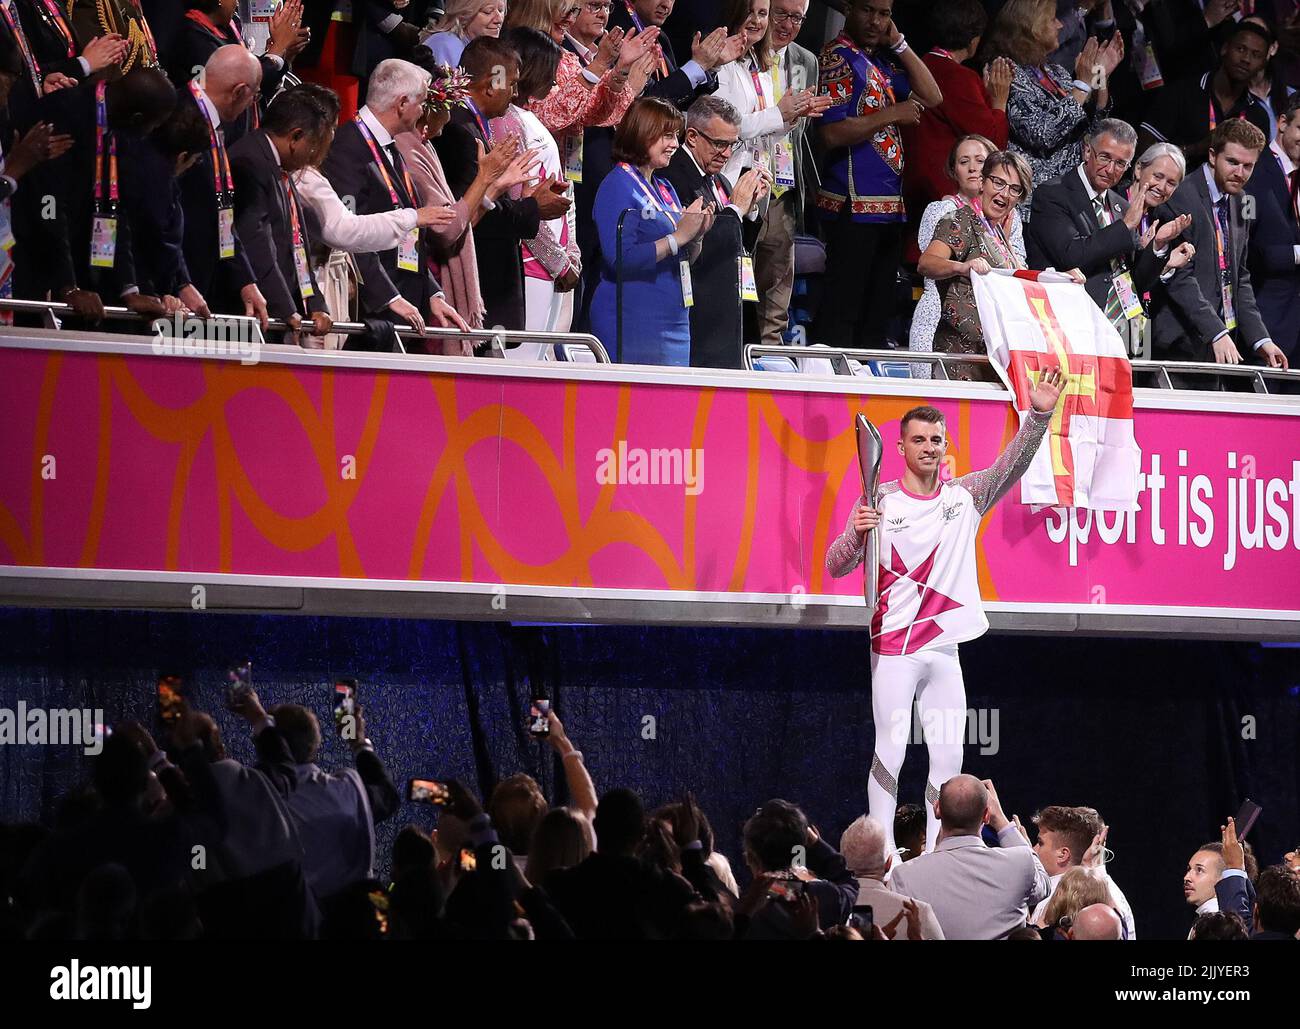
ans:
(663, 201)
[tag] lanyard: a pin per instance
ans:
(1048, 83)
(663, 201)
(383, 167)
(1215, 121)
(25, 47)
(201, 19)
(994, 232)
(758, 84)
(483, 125)
(220, 158)
(102, 132)
(293, 209)
(61, 24)
(640, 27)
(1220, 244)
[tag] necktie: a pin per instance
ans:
(1225, 255)
(784, 153)
(1295, 193)
(719, 191)
(400, 181)
(298, 235)
(1114, 308)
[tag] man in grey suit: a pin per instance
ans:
(1206, 311)
(796, 70)
(977, 892)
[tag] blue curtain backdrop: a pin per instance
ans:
(1149, 732)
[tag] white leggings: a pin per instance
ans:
(933, 678)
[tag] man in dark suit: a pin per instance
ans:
(54, 42)
(220, 276)
(271, 220)
(1079, 221)
(498, 235)
(385, 30)
(211, 24)
(364, 164)
(678, 83)
(1207, 310)
(723, 270)
(1275, 235)
(79, 196)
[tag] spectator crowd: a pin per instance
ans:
(182, 841)
(677, 177)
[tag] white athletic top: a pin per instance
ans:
(929, 590)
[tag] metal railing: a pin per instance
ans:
(1165, 372)
(565, 343)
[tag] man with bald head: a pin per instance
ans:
(1096, 922)
(977, 892)
(220, 276)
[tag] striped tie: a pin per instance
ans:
(1114, 309)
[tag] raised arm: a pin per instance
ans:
(582, 791)
(990, 485)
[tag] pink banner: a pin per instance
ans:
(147, 463)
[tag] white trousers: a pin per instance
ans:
(544, 311)
(933, 678)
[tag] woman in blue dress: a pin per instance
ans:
(659, 240)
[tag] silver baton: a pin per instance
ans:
(871, 449)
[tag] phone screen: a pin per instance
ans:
(428, 791)
(862, 919)
(786, 889)
(468, 862)
(538, 722)
(171, 704)
(345, 700)
(239, 682)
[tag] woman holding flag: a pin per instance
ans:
(647, 243)
(972, 240)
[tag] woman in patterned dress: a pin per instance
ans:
(965, 167)
(598, 94)
(1050, 109)
(972, 240)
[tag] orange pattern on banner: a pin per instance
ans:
(207, 421)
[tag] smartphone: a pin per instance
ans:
(171, 702)
(862, 919)
(239, 683)
(345, 700)
(468, 862)
(428, 791)
(539, 724)
(788, 890)
(1247, 817)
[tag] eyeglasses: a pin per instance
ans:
(571, 13)
(1001, 185)
(1105, 160)
(793, 19)
(595, 8)
(722, 146)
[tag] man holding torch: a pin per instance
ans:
(928, 592)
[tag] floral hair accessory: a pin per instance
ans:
(447, 89)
